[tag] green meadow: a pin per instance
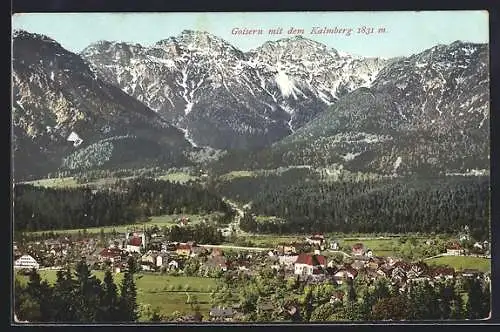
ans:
(166, 293)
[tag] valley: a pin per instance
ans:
(189, 181)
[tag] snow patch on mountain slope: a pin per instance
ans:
(350, 156)
(188, 137)
(285, 84)
(397, 163)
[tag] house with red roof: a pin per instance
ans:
(307, 264)
(135, 241)
(111, 254)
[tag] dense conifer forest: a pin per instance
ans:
(400, 205)
(125, 202)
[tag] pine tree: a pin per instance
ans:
(351, 292)
(457, 304)
(485, 301)
(88, 293)
(64, 297)
(474, 302)
(132, 265)
(365, 308)
(109, 302)
(128, 298)
(446, 294)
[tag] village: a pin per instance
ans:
(316, 259)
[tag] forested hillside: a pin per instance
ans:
(400, 205)
(125, 202)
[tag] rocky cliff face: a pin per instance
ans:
(224, 98)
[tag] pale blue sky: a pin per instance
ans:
(406, 32)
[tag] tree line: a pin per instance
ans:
(401, 205)
(124, 202)
(77, 297)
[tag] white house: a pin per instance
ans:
(307, 264)
(159, 261)
(26, 261)
(173, 265)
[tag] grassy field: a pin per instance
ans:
(237, 174)
(179, 177)
(269, 240)
(167, 293)
(380, 247)
(160, 221)
(55, 182)
(462, 262)
(69, 182)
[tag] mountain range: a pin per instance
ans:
(292, 102)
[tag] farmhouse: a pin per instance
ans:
(26, 261)
(307, 264)
(454, 249)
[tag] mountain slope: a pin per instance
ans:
(426, 113)
(227, 99)
(63, 114)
